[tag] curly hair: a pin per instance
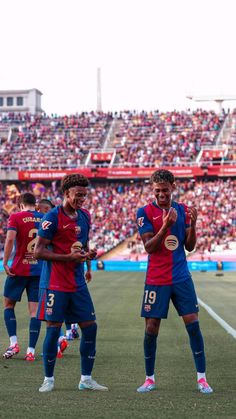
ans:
(69, 181)
(162, 175)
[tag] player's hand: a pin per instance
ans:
(92, 254)
(88, 276)
(169, 217)
(78, 256)
(8, 271)
(192, 213)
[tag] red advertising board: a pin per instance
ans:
(128, 173)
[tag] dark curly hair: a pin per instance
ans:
(160, 176)
(69, 181)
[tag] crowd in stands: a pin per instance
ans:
(41, 142)
(113, 208)
(140, 138)
(163, 139)
(230, 141)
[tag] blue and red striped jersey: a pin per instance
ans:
(168, 264)
(26, 224)
(64, 232)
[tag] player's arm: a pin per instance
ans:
(151, 241)
(92, 253)
(41, 251)
(191, 236)
(8, 247)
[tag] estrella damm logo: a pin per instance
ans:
(171, 242)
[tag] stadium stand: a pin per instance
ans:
(160, 139)
(30, 142)
(41, 142)
(91, 141)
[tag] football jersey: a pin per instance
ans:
(64, 233)
(168, 264)
(26, 224)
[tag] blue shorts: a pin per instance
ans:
(156, 299)
(15, 286)
(58, 306)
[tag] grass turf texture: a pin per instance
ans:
(119, 363)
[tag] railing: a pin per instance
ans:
(38, 167)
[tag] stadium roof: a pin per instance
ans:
(217, 98)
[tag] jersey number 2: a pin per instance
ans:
(31, 244)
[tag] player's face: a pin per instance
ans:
(44, 208)
(163, 193)
(76, 196)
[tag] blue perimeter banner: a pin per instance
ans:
(115, 265)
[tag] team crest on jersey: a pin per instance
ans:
(147, 307)
(171, 242)
(49, 311)
(140, 221)
(46, 224)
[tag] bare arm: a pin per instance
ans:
(153, 241)
(42, 252)
(8, 247)
(191, 236)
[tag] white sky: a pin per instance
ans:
(152, 53)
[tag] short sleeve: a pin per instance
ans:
(143, 222)
(48, 226)
(12, 223)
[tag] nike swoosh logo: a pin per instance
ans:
(197, 353)
(155, 218)
(67, 225)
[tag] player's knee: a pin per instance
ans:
(193, 328)
(9, 303)
(152, 329)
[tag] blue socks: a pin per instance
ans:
(150, 346)
(197, 345)
(34, 330)
(10, 321)
(88, 348)
(50, 350)
(68, 326)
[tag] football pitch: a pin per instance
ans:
(119, 362)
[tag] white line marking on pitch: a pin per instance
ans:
(215, 316)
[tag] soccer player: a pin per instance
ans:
(23, 274)
(63, 241)
(167, 228)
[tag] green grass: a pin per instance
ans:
(119, 362)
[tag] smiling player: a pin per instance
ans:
(167, 228)
(63, 241)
